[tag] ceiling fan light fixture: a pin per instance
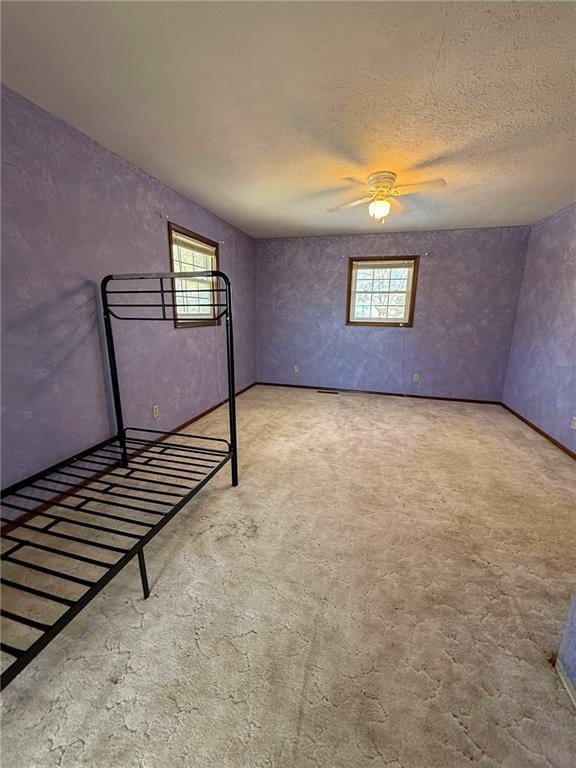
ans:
(381, 188)
(379, 209)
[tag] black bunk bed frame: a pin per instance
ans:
(85, 518)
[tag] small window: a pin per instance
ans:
(381, 291)
(193, 297)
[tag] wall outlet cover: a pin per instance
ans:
(415, 377)
(155, 411)
(573, 422)
(296, 368)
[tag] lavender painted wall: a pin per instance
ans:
(468, 288)
(567, 654)
(541, 378)
(73, 212)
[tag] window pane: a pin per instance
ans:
(379, 311)
(381, 291)
(183, 260)
(193, 298)
(188, 298)
(202, 262)
(397, 299)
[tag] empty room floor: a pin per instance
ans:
(384, 588)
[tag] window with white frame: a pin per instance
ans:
(382, 290)
(194, 297)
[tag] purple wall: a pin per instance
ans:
(541, 378)
(73, 212)
(468, 287)
(567, 654)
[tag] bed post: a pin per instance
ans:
(143, 574)
(231, 382)
(113, 370)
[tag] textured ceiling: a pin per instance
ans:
(257, 110)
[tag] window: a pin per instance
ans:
(381, 291)
(193, 296)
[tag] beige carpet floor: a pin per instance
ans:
(383, 588)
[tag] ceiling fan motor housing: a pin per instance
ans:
(382, 183)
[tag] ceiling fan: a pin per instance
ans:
(381, 188)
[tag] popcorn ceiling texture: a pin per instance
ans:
(73, 212)
(375, 592)
(260, 110)
(541, 376)
(468, 288)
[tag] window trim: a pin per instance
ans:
(410, 321)
(195, 236)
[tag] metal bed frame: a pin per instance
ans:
(84, 519)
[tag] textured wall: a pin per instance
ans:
(72, 213)
(468, 288)
(541, 378)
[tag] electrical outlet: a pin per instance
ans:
(573, 422)
(155, 410)
(415, 377)
(296, 368)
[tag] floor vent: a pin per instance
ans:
(326, 392)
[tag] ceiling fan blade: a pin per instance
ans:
(351, 204)
(314, 195)
(399, 205)
(405, 189)
(353, 180)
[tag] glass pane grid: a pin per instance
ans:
(380, 293)
(193, 294)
